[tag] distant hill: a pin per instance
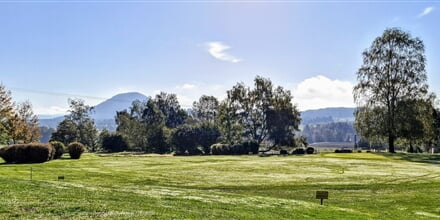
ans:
(108, 108)
(104, 113)
(327, 115)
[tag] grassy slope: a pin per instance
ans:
(361, 186)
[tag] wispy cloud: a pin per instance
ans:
(321, 92)
(218, 50)
(426, 11)
(186, 86)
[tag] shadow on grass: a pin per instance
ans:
(415, 157)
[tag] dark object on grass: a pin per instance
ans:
(310, 150)
(343, 150)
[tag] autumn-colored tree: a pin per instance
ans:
(24, 124)
(6, 112)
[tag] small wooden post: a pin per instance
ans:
(322, 195)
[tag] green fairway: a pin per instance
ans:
(360, 185)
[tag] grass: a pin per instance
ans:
(360, 185)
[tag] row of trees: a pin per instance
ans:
(263, 114)
(260, 114)
(18, 123)
(394, 105)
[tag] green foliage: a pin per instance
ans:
(131, 127)
(393, 71)
(114, 143)
(157, 140)
(206, 109)
(221, 149)
(259, 114)
(168, 104)
(75, 150)
(77, 126)
(234, 149)
(27, 153)
(59, 147)
(66, 132)
(184, 140)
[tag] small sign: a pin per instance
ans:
(60, 177)
(322, 195)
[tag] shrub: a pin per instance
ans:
(283, 152)
(251, 146)
(220, 149)
(298, 151)
(114, 143)
(27, 153)
(343, 151)
(75, 150)
(59, 149)
(310, 150)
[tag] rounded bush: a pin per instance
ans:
(298, 151)
(27, 153)
(59, 149)
(310, 150)
(221, 149)
(75, 150)
(283, 152)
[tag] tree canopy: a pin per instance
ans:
(392, 74)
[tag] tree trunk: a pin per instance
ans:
(391, 144)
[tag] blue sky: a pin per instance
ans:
(50, 51)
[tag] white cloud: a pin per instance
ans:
(218, 51)
(425, 12)
(321, 92)
(52, 110)
(186, 86)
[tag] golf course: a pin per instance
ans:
(138, 186)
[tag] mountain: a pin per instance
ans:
(108, 108)
(104, 113)
(327, 115)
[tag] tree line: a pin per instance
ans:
(263, 115)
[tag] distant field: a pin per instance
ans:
(360, 185)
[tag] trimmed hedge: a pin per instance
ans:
(27, 153)
(75, 150)
(59, 149)
(343, 151)
(235, 149)
(298, 151)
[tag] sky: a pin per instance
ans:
(54, 50)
